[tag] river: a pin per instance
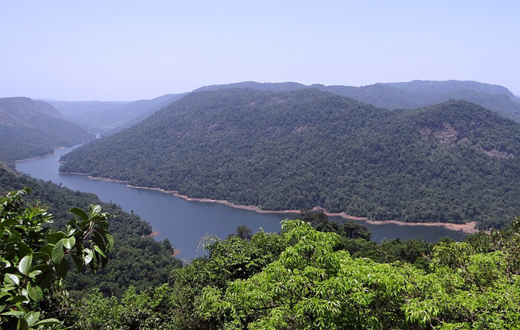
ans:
(184, 222)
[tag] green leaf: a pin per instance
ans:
(14, 313)
(69, 243)
(78, 261)
(89, 254)
(31, 318)
(22, 325)
(80, 213)
(110, 240)
(47, 322)
(57, 253)
(35, 293)
(7, 223)
(35, 273)
(70, 231)
(95, 209)
(45, 280)
(47, 249)
(98, 250)
(23, 248)
(54, 236)
(12, 278)
(107, 237)
(42, 255)
(99, 240)
(62, 268)
(25, 264)
(18, 299)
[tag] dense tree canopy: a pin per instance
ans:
(136, 260)
(304, 279)
(35, 259)
(25, 133)
(452, 162)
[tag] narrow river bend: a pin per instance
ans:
(183, 222)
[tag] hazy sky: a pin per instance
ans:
(130, 50)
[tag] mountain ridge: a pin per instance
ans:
(30, 128)
(407, 95)
(307, 148)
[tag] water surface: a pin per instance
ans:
(183, 222)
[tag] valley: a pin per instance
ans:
(307, 148)
(199, 192)
(185, 221)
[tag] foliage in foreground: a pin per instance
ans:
(136, 260)
(35, 259)
(303, 279)
(313, 287)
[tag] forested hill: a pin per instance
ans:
(137, 260)
(407, 95)
(31, 128)
(451, 162)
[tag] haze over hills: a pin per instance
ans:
(31, 128)
(408, 95)
(111, 117)
(102, 117)
(451, 162)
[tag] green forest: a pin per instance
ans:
(136, 260)
(451, 162)
(25, 133)
(70, 261)
(315, 274)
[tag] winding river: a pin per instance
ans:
(184, 222)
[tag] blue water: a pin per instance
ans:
(183, 222)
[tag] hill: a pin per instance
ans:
(137, 260)
(104, 117)
(451, 162)
(408, 95)
(31, 128)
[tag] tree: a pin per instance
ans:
(35, 259)
(312, 286)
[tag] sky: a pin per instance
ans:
(131, 50)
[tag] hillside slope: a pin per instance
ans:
(31, 128)
(451, 162)
(137, 260)
(407, 95)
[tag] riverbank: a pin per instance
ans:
(38, 157)
(468, 227)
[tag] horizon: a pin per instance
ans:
(127, 50)
(282, 82)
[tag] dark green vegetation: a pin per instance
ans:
(305, 279)
(25, 133)
(35, 259)
(136, 260)
(451, 162)
(108, 117)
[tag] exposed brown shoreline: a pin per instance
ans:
(154, 233)
(468, 227)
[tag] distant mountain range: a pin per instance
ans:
(408, 95)
(111, 117)
(303, 147)
(31, 128)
